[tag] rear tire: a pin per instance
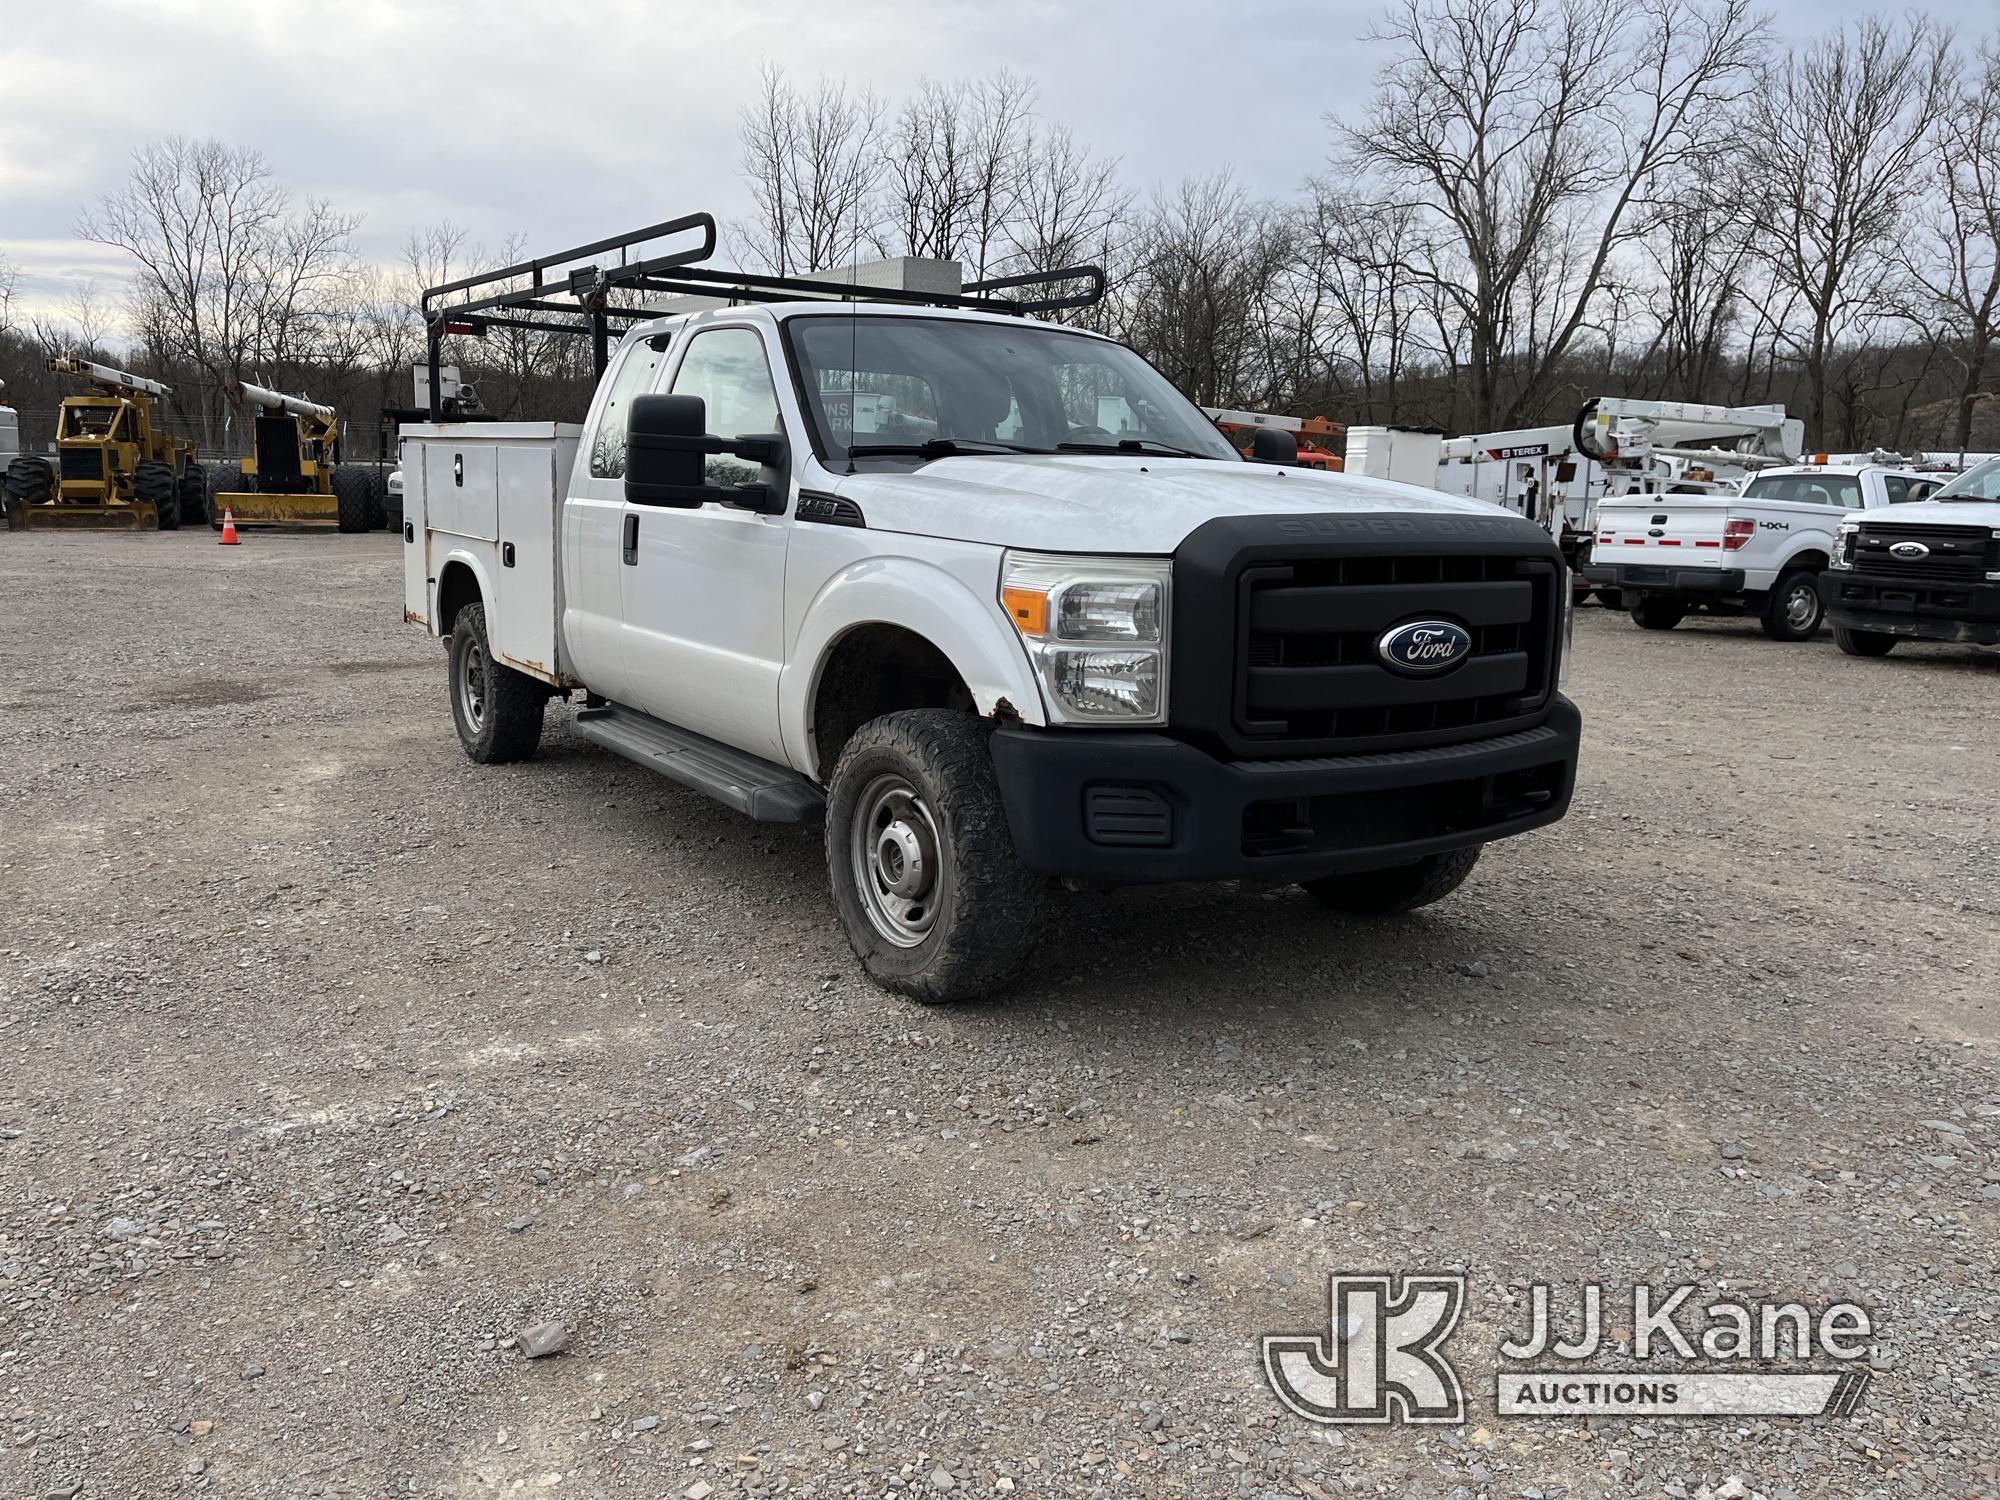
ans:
(1658, 614)
(350, 497)
(498, 711)
(1863, 642)
(935, 902)
(154, 483)
(194, 493)
(1380, 893)
(378, 499)
(1792, 610)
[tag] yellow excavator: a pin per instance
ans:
(115, 469)
(293, 476)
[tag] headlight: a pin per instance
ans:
(1096, 631)
(1843, 544)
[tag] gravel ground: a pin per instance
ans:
(334, 1062)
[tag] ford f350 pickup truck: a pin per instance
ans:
(994, 600)
(1927, 572)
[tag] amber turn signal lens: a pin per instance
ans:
(1028, 609)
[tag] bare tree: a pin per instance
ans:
(1956, 267)
(1070, 206)
(1198, 298)
(1839, 133)
(10, 278)
(812, 165)
(83, 328)
(1517, 121)
(229, 269)
(955, 173)
(1696, 263)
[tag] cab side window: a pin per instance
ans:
(1897, 488)
(727, 369)
(634, 378)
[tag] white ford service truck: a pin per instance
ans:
(1757, 553)
(994, 600)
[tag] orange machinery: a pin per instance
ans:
(1321, 442)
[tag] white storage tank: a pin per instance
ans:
(1394, 453)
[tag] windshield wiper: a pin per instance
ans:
(937, 447)
(1132, 445)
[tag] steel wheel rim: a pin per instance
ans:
(1803, 606)
(898, 860)
(472, 684)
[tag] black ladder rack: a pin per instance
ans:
(464, 306)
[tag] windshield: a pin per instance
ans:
(1842, 490)
(1980, 482)
(933, 386)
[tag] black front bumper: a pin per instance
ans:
(1117, 808)
(1649, 578)
(1968, 612)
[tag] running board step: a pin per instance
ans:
(767, 792)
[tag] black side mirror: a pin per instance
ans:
(666, 443)
(1273, 445)
(767, 450)
(666, 438)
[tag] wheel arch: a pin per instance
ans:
(461, 581)
(924, 607)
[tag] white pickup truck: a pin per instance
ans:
(1756, 553)
(994, 600)
(1929, 572)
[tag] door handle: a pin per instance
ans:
(631, 540)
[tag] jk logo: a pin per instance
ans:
(1378, 1360)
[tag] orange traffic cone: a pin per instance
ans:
(229, 536)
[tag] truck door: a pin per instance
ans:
(704, 595)
(593, 522)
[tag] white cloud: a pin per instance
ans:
(565, 124)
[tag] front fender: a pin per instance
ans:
(929, 601)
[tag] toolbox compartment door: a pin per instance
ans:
(523, 625)
(416, 539)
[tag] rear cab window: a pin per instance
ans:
(1840, 491)
(637, 364)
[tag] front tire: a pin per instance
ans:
(930, 891)
(498, 710)
(1658, 614)
(154, 483)
(1380, 893)
(1863, 642)
(1792, 611)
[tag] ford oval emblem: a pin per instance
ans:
(1909, 551)
(1424, 648)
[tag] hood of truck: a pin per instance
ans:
(1938, 513)
(1139, 505)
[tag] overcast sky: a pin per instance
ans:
(570, 121)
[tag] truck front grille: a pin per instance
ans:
(81, 463)
(1952, 554)
(1308, 668)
